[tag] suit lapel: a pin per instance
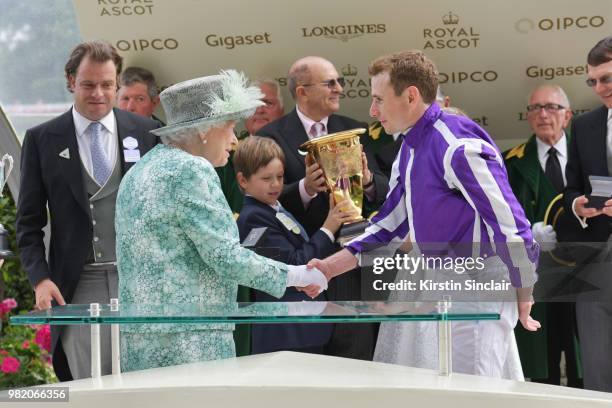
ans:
(298, 136)
(72, 169)
(599, 142)
(530, 168)
(296, 239)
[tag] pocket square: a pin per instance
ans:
(65, 153)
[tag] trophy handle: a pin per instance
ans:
(9, 159)
(309, 160)
(5, 172)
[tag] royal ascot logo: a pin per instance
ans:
(525, 25)
(551, 73)
(450, 35)
(147, 44)
(232, 41)
(354, 86)
(349, 70)
(114, 8)
(458, 77)
(343, 33)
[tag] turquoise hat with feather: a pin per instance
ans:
(200, 103)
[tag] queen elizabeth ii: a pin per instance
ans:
(177, 242)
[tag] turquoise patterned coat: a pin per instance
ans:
(177, 243)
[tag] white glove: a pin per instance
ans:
(300, 276)
(545, 235)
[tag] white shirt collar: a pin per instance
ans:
(81, 123)
(560, 146)
(609, 114)
(276, 206)
(307, 122)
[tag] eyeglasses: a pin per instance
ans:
(549, 107)
(330, 83)
(606, 79)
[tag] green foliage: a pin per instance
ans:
(13, 281)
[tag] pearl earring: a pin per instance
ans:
(204, 141)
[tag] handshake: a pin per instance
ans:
(310, 281)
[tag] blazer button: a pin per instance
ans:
(96, 239)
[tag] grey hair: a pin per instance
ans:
(554, 87)
(298, 75)
(188, 134)
(133, 75)
(273, 83)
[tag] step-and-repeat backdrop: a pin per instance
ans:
(489, 53)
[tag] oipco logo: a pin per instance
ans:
(450, 35)
(458, 77)
(113, 8)
(142, 44)
(525, 25)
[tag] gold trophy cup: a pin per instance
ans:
(339, 156)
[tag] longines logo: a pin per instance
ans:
(550, 73)
(450, 35)
(458, 77)
(232, 41)
(343, 33)
(525, 25)
(142, 44)
(112, 8)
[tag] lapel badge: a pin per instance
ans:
(130, 143)
(65, 154)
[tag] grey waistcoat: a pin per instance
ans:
(102, 207)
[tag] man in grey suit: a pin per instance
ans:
(73, 164)
(590, 154)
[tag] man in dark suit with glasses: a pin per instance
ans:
(316, 87)
(590, 154)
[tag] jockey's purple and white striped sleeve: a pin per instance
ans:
(449, 185)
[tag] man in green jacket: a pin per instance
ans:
(536, 170)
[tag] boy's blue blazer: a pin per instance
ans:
(292, 249)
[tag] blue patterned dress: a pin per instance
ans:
(177, 243)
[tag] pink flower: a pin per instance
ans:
(9, 303)
(10, 365)
(25, 344)
(43, 337)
